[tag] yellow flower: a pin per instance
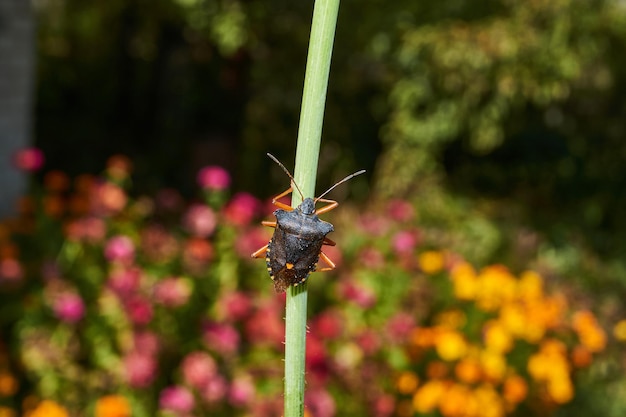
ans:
(591, 335)
(450, 345)
(465, 281)
(493, 365)
(113, 406)
(513, 318)
(489, 402)
(497, 337)
(619, 331)
(431, 262)
(530, 286)
(427, 396)
(496, 286)
(451, 319)
(48, 408)
(407, 382)
(561, 389)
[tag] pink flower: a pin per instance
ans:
(139, 310)
(241, 391)
(172, 292)
(177, 399)
(222, 338)
(214, 390)
(371, 258)
(146, 342)
(251, 240)
(69, 307)
(241, 209)
(328, 325)
(384, 406)
(125, 281)
(120, 248)
(140, 369)
(28, 159)
(400, 210)
(373, 225)
(235, 306)
(320, 403)
(362, 296)
(10, 270)
(404, 242)
(369, 341)
(200, 220)
(266, 326)
(109, 198)
(214, 178)
(198, 368)
(90, 229)
(317, 363)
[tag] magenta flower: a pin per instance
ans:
(139, 310)
(241, 391)
(316, 361)
(176, 399)
(222, 338)
(69, 307)
(124, 281)
(328, 325)
(355, 292)
(200, 220)
(371, 258)
(120, 248)
(404, 242)
(369, 341)
(251, 240)
(320, 403)
(241, 209)
(172, 292)
(28, 159)
(399, 326)
(400, 210)
(214, 178)
(139, 369)
(198, 368)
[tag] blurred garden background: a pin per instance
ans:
(481, 267)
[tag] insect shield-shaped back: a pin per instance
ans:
(296, 246)
(294, 250)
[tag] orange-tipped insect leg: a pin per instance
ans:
(260, 253)
(332, 204)
(281, 195)
(331, 264)
(268, 223)
(328, 242)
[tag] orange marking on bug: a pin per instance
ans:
(289, 266)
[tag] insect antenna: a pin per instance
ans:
(340, 182)
(293, 181)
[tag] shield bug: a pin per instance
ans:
(295, 249)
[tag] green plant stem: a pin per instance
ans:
(305, 173)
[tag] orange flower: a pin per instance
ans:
(112, 406)
(489, 402)
(48, 408)
(454, 401)
(581, 356)
(496, 286)
(493, 365)
(530, 286)
(436, 370)
(451, 319)
(561, 389)
(431, 262)
(56, 181)
(468, 370)
(407, 382)
(8, 384)
(515, 389)
(7, 412)
(591, 335)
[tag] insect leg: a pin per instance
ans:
(281, 195)
(331, 264)
(268, 223)
(260, 253)
(328, 242)
(331, 205)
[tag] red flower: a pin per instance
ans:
(213, 178)
(28, 159)
(241, 209)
